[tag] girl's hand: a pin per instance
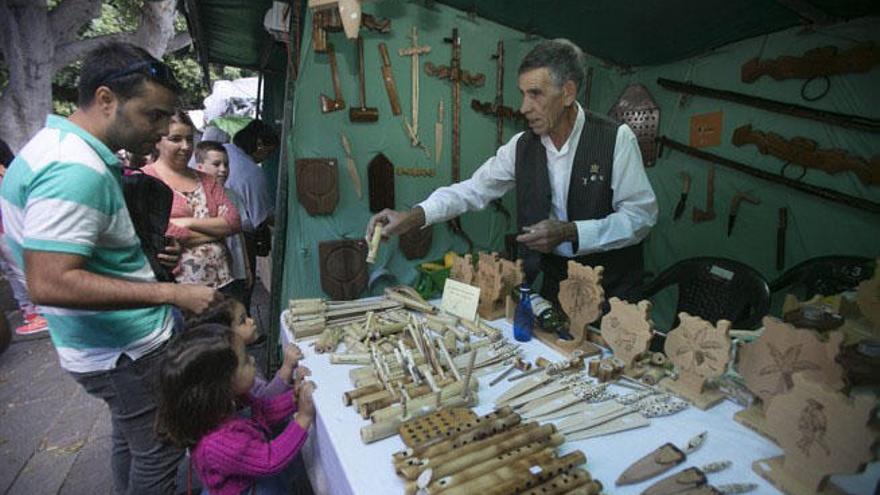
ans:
(292, 356)
(306, 414)
(299, 376)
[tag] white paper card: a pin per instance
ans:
(460, 299)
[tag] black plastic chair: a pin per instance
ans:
(824, 275)
(715, 289)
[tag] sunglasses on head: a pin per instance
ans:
(154, 69)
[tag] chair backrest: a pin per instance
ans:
(824, 275)
(714, 289)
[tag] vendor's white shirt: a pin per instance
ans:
(633, 200)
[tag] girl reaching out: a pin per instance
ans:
(205, 378)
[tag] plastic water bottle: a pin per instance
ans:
(524, 318)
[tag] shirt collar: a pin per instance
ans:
(65, 125)
(572, 138)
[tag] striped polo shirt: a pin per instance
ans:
(63, 194)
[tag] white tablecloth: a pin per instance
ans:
(339, 463)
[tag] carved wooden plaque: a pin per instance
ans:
(380, 177)
(628, 328)
(581, 295)
(821, 431)
(768, 364)
(463, 269)
(700, 352)
(496, 278)
(317, 184)
(343, 268)
(706, 129)
(416, 243)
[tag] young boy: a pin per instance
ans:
(211, 158)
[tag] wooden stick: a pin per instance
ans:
(352, 358)
(513, 479)
(374, 243)
(393, 410)
(445, 352)
(389, 427)
(349, 396)
(395, 294)
(466, 389)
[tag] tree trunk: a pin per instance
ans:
(28, 48)
(35, 43)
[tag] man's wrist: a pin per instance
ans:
(415, 219)
(167, 293)
(571, 231)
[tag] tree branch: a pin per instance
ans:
(178, 42)
(68, 53)
(70, 16)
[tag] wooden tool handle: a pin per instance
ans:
(383, 52)
(337, 86)
(362, 84)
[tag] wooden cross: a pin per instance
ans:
(413, 51)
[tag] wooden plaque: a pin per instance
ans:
(700, 352)
(343, 268)
(416, 243)
(628, 329)
(463, 269)
(581, 297)
(317, 184)
(380, 177)
(706, 129)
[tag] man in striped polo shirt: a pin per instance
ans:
(67, 224)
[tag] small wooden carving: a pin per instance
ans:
(769, 363)
(380, 179)
(868, 298)
(343, 268)
(317, 184)
(822, 432)
(628, 329)
(700, 352)
(463, 269)
(581, 297)
(496, 278)
(806, 152)
(415, 243)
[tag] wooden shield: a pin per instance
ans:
(317, 184)
(637, 109)
(343, 268)
(380, 177)
(416, 243)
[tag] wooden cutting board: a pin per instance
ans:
(317, 184)
(343, 265)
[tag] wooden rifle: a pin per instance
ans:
(818, 62)
(805, 152)
(825, 116)
(822, 192)
(457, 77)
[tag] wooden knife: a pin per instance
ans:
(388, 78)
(438, 133)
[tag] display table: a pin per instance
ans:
(339, 463)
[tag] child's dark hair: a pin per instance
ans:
(256, 130)
(204, 147)
(221, 312)
(195, 384)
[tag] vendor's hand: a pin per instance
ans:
(395, 222)
(545, 235)
(170, 255)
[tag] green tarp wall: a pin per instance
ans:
(816, 227)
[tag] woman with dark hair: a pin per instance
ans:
(201, 214)
(206, 376)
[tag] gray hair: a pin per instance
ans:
(561, 57)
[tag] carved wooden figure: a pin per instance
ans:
(317, 184)
(768, 364)
(463, 269)
(700, 352)
(628, 329)
(496, 278)
(822, 432)
(581, 297)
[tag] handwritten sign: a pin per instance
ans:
(460, 299)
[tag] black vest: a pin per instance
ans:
(589, 197)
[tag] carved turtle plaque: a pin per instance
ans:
(821, 432)
(416, 243)
(628, 329)
(343, 268)
(317, 184)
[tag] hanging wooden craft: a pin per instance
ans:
(768, 364)
(581, 297)
(317, 184)
(700, 352)
(637, 109)
(415, 243)
(658, 461)
(868, 298)
(343, 268)
(463, 269)
(380, 179)
(627, 329)
(496, 277)
(821, 432)
(706, 129)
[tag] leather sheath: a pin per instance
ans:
(662, 459)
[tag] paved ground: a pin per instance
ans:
(54, 438)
